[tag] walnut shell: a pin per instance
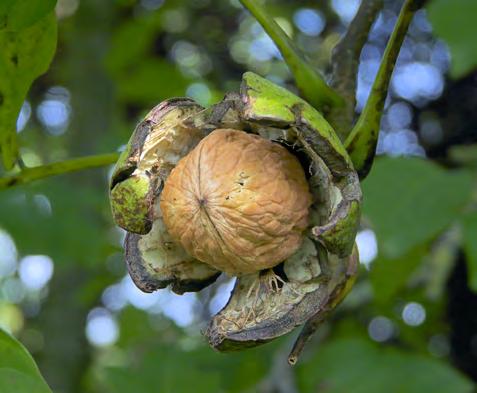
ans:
(237, 202)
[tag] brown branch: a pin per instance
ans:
(345, 62)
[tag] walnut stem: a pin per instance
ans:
(362, 141)
(311, 84)
(307, 332)
(345, 61)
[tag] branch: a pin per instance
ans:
(307, 332)
(345, 61)
(310, 83)
(57, 168)
(362, 141)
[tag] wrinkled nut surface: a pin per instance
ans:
(237, 202)
(202, 191)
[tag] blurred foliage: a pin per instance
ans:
(71, 231)
(389, 276)
(397, 192)
(115, 59)
(138, 67)
(454, 22)
(392, 370)
(469, 224)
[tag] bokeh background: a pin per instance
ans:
(409, 325)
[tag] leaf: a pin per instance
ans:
(13, 381)
(411, 200)
(26, 53)
(469, 223)
(17, 15)
(454, 22)
(358, 365)
(18, 371)
(388, 276)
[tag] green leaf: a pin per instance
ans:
(13, 381)
(18, 371)
(359, 366)
(26, 53)
(454, 22)
(469, 224)
(16, 15)
(388, 276)
(411, 200)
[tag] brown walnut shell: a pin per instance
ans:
(237, 202)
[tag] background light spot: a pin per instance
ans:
(24, 116)
(8, 254)
(414, 314)
(381, 329)
(310, 22)
(101, 328)
(35, 271)
(221, 297)
(346, 9)
(367, 246)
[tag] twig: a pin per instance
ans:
(311, 84)
(28, 175)
(362, 141)
(345, 61)
(307, 332)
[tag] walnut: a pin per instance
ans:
(201, 191)
(237, 202)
